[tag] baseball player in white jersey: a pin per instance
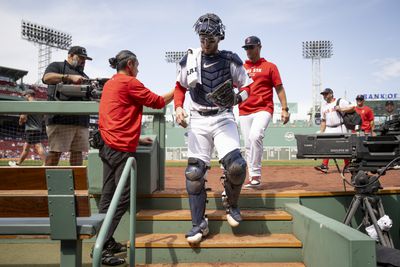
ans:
(212, 123)
(332, 121)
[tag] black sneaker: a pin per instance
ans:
(322, 168)
(114, 246)
(109, 259)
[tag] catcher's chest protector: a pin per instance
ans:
(215, 71)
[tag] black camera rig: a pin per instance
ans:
(367, 153)
(374, 154)
(89, 89)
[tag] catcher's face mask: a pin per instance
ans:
(209, 44)
(210, 25)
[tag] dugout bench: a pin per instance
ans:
(52, 202)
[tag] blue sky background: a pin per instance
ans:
(365, 36)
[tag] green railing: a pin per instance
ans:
(130, 168)
(89, 108)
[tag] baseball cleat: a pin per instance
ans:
(322, 168)
(254, 182)
(196, 234)
(233, 217)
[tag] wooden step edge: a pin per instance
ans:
(226, 264)
(219, 241)
(38, 193)
(261, 194)
(212, 215)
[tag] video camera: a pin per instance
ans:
(367, 153)
(90, 89)
(373, 154)
(391, 126)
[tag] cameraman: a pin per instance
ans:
(120, 118)
(67, 133)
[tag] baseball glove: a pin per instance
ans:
(223, 96)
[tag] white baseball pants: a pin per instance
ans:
(253, 127)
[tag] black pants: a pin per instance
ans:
(113, 165)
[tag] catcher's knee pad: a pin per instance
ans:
(194, 173)
(235, 167)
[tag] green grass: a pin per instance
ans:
(183, 163)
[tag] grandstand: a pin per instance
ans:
(11, 134)
(12, 85)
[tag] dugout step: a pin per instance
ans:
(212, 215)
(227, 264)
(219, 241)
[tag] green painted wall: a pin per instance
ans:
(329, 243)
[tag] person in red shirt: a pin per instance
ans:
(366, 114)
(256, 112)
(120, 119)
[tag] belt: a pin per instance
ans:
(212, 112)
(334, 126)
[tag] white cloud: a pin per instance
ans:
(389, 69)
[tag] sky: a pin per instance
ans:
(365, 36)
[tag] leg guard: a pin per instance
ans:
(194, 173)
(235, 174)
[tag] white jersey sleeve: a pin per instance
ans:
(182, 76)
(240, 78)
(343, 103)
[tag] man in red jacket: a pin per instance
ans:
(120, 119)
(366, 114)
(256, 113)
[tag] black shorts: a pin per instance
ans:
(33, 137)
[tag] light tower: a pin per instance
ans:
(174, 57)
(316, 50)
(45, 38)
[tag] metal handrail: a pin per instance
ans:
(130, 167)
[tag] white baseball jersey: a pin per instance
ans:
(334, 123)
(219, 130)
(240, 79)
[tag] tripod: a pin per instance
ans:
(371, 205)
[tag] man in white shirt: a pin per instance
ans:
(332, 121)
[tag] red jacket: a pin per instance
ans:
(265, 76)
(120, 111)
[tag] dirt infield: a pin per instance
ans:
(281, 178)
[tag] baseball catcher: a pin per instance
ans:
(210, 76)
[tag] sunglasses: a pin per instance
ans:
(249, 47)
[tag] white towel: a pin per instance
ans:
(194, 56)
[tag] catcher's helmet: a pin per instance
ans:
(210, 24)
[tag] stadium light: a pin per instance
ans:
(46, 38)
(44, 35)
(316, 50)
(174, 56)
